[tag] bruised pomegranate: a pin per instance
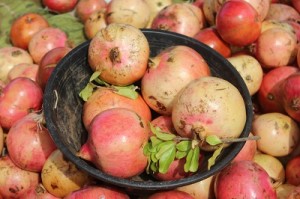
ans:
(15, 182)
(11, 56)
(115, 141)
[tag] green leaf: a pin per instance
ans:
(213, 140)
(87, 91)
(146, 149)
(153, 157)
(127, 91)
(154, 166)
(160, 134)
(192, 160)
(188, 161)
(166, 159)
(71, 25)
(212, 159)
(155, 141)
(94, 76)
(164, 147)
(184, 145)
(181, 154)
(195, 160)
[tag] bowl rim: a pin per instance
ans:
(143, 185)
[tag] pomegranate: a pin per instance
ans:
(170, 71)
(60, 6)
(95, 22)
(202, 189)
(237, 23)
(105, 98)
(93, 191)
(291, 96)
(282, 12)
(15, 182)
(194, 109)
(46, 40)
(1, 140)
(155, 6)
(250, 70)
(296, 5)
(120, 53)
(48, 63)
(115, 141)
(272, 166)
(292, 171)
(174, 194)
(275, 47)
(38, 192)
(269, 94)
(28, 139)
(294, 194)
(176, 168)
(9, 57)
(228, 182)
(23, 70)
(248, 151)
(183, 18)
(60, 177)
(85, 8)
(24, 27)
(284, 190)
(276, 128)
(18, 98)
(132, 12)
(211, 37)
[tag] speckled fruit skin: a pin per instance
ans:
(115, 144)
(243, 179)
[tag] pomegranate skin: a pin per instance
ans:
(243, 179)
(115, 143)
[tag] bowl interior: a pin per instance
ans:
(63, 108)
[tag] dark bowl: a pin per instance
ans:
(63, 108)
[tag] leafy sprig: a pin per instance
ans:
(163, 148)
(95, 82)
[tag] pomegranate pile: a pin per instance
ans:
(153, 114)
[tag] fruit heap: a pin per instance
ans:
(260, 38)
